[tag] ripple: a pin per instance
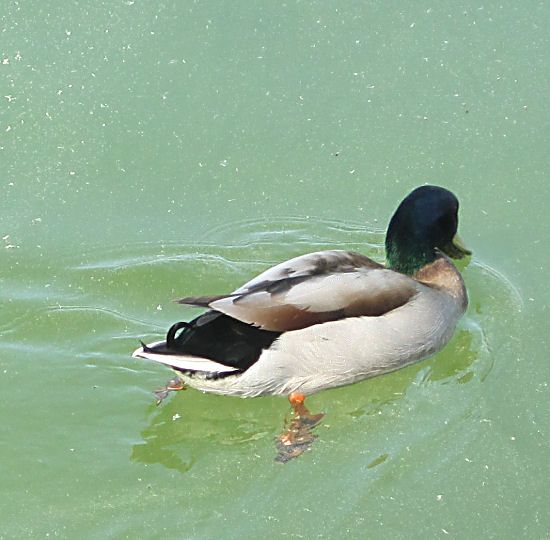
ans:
(94, 310)
(228, 243)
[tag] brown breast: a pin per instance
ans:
(442, 274)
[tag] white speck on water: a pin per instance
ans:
(159, 308)
(176, 416)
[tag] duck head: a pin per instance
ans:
(424, 223)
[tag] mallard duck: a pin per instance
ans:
(329, 318)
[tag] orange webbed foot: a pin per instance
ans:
(297, 436)
(173, 385)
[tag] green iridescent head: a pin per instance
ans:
(426, 221)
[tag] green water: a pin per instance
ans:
(154, 150)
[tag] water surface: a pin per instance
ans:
(150, 151)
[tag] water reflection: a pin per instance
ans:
(460, 362)
(162, 443)
(189, 424)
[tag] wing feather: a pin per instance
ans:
(314, 288)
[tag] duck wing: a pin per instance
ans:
(311, 289)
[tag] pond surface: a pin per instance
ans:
(150, 151)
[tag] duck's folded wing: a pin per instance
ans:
(313, 288)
